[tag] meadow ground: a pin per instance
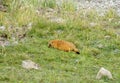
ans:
(97, 38)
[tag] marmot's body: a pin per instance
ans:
(63, 45)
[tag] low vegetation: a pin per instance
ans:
(97, 37)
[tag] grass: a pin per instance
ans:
(58, 66)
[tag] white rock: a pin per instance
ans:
(50, 10)
(92, 24)
(29, 26)
(2, 28)
(4, 43)
(57, 19)
(104, 72)
(100, 46)
(107, 37)
(28, 64)
(116, 51)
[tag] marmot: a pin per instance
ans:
(63, 45)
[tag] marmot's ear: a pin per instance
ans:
(77, 52)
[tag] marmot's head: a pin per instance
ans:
(51, 43)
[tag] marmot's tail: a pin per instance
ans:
(76, 51)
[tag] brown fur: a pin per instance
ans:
(63, 45)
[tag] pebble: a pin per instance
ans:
(2, 28)
(107, 37)
(104, 72)
(28, 64)
(100, 46)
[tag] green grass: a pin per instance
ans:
(59, 66)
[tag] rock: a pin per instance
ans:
(92, 24)
(100, 46)
(4, 43)
(2, 28)
(51, 10)
(29, 26)
(107, 37)
(15, 43)
(116, 51)
(77, 61)
(104, 72)
(28, 64)
(57, 20)
(2, 8)
(1, 43)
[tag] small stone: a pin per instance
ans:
(100, 46)
(29, 26)
(92, 24)
(2, 43)
(6, 43)
(15, 43)
(107, 37)
(2, 28)
(50, 10)
(104, 72)
(110, 19)
(28, 64)
(75, 68)
(116, 51)
(57, 19)
(77, 61)
(2, 8)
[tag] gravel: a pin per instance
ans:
(101, 6)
